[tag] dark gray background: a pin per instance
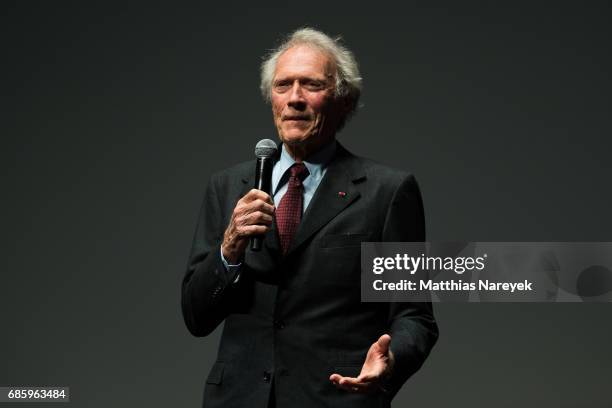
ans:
(114, 116)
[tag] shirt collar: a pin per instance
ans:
(315, 164)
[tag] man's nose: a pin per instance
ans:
(296, 97)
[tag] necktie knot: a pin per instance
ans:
(299, 171)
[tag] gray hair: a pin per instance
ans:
(348, 80)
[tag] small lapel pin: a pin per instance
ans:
(341, 194)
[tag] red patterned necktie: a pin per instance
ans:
(289, 211)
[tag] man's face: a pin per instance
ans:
(306, 113)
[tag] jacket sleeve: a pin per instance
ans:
(208, 288)
(412, 325)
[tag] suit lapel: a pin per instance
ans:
(335, 193)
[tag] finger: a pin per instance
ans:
(368, 378)
(255, 194)
(351, 384)
(341, 383)
(258, 218)
(361, 381)
(335, 378)
(250, 230)
(383, 343)
(254, 218)
(259, 205)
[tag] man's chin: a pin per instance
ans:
(294, 138)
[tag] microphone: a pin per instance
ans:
(265, 152)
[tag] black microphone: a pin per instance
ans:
(265, 152)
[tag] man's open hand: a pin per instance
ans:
(376, 369)
(252, 216)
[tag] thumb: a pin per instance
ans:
(383, 343)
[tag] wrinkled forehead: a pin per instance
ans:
(305, 61)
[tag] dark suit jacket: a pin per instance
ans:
(295, 320)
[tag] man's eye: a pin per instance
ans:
(314, 86)
(282, 86)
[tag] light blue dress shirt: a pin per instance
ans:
(317, 167)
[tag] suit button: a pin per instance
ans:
(279, 324)
(267, 376)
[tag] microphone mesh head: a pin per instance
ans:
(265, 148)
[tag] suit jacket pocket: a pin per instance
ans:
(344, 240)
(216, 374)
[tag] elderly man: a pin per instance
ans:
(296, 333)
